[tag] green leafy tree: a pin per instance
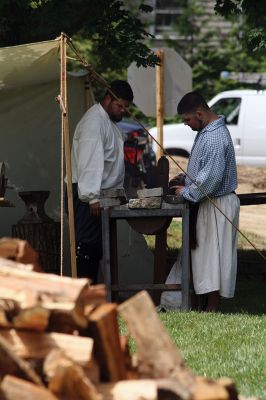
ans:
(254, 13)
(209, 51)
(113, 35)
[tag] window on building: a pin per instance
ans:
(166, 3)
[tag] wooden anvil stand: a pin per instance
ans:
(151, 222)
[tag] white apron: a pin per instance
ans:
(214, 261)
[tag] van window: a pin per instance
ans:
(229, 107)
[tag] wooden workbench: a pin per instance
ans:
(110, 262)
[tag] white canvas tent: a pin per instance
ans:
(30, 126)
(30, 123)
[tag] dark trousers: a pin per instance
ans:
(88, 235)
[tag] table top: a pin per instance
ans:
(175, 209)
(171, 210)
(247, 199)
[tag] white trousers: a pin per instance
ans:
(214, 261)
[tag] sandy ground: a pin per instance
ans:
(252, 218)
(251, 180)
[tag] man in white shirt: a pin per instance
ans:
(97, 159)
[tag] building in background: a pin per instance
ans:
(166, 14)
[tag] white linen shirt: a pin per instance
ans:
(97, 155)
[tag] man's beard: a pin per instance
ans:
(200, 127)
(115, 118)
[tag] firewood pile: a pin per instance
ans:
(59, 339)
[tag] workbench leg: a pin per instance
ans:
(106, 262)
(159, 263)
(185, 283)
(113, 256)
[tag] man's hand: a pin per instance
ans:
(95, 209)
(177, 189)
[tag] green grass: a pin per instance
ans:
(216, 345)
(233, 342)
(257, 240)
(174, 238)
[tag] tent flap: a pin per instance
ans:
(29, 64)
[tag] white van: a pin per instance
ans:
(245, 113)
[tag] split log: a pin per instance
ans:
(47, 289)
(13, 388)
(20, 251)
(141, 389)
(158, 355)
(171, 389)
(69, 321)
(35, 318)
(14, 264)
(36, 346)
(94, 296)
(8, 248)
(208, 389)
(229, 386)
(3, 319)
(8, 309)
(67, 379)
(131, 362)
(103, 327)
(11, 364)
(65, 321)
(36, 295)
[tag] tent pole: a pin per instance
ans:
(160, 101)
(65, 128)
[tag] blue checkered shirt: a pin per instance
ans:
(212, 163)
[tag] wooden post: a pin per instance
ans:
(65, 127)
(160, 101)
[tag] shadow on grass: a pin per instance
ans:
(250, 295)
(250, 298)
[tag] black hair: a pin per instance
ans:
(191, 102)
(121, 89)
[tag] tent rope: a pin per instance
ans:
(95, 76)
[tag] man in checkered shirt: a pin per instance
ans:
(212, 169)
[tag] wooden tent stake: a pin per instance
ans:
(65, 127)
